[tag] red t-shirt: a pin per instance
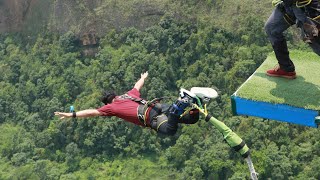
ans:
(123, 108)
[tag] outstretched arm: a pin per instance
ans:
(140, 82)
(83, 113)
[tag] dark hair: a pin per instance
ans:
(108, 96)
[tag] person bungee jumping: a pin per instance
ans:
(306, 15)
(163, 118)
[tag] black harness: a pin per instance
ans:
(127, 96)
(147, 110)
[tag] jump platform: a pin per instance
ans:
(294, 101)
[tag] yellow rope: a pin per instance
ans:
(316, 18)
(185, 112)
(161, 124)
(202, 110)
(303, 3)
(287, 18)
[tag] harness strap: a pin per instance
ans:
(163, 119)
(138, 100)
(144, 108)
(141, 114)
(289, 19)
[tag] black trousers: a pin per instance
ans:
(167, 123)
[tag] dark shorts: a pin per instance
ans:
(166, 123)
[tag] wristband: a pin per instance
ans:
(74, 115)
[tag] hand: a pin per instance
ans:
(311, 29)
(62, 115)
(144, 75)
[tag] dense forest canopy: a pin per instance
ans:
(49, 71)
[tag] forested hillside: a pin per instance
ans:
(80, 16)
(49, 71)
